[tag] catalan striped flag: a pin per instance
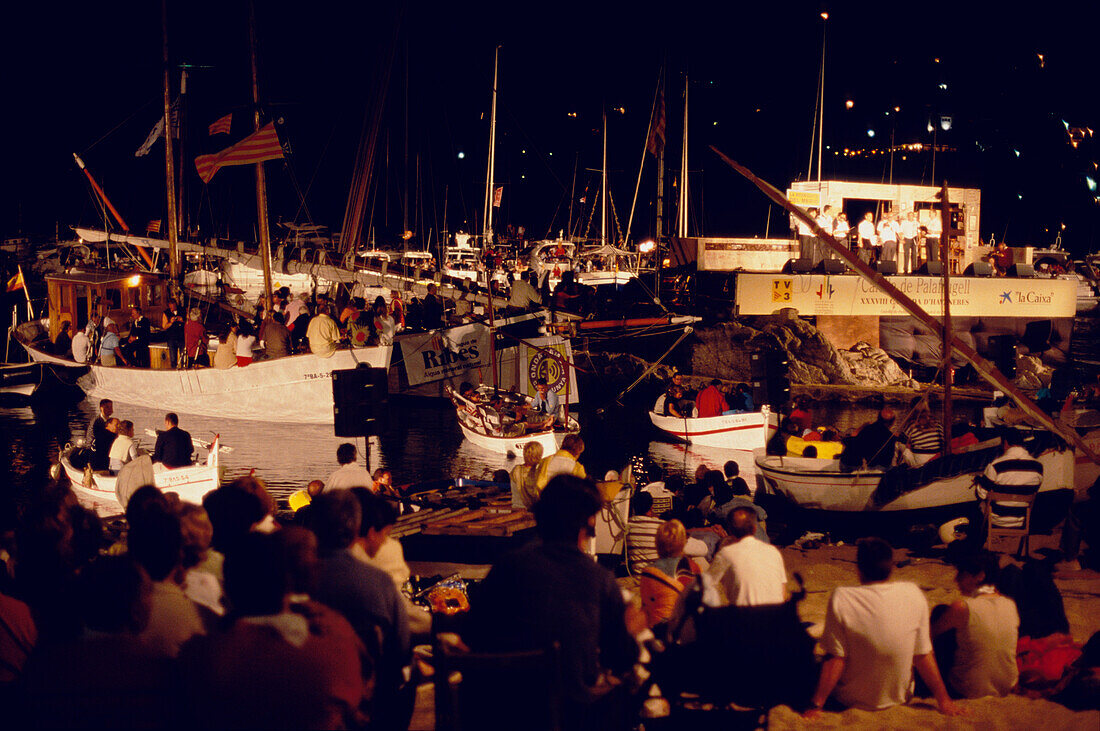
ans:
(153, 227)
(655, 143)
(257, 147)
(221, 127)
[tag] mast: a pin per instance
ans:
(682, 224)
(169, 161)
(261, 183)
(945, 258)
(821, 96)
(487, 231)
(603, 184)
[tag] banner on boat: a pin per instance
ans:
(850, 295)
(445, 353)
(548, 358)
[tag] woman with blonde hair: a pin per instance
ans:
(524, 477)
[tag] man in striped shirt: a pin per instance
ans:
(1015, 471)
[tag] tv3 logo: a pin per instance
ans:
(782, 290)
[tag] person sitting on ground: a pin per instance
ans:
(732, 472)
(728, 498)
(562, 462)
(552, 591)
(233, 512)
(174, 446)
(524, 477)
(711, 401)
(746, 572)
(350, 472)
(367, 598)
(124, 448)
(323, 333)
(107, 678)
(984, 626)
(641, 533)
(155, 543)
(665, 579)
(875, 635)
(304, 497)
(202, 577)
(376, 547)
(273, 667)
(924, 440)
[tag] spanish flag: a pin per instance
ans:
(16, 282)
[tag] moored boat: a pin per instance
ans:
(493, 429)
(20, 378)
(727, 431)
(191, 483)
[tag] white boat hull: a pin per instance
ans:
(603, 278)
(550, 441)
(190, 483)
(729, 431)
(297, 388)
(816, 484)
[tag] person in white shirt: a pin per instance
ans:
(825, 221)
(349, 473)
(747, 572)
(909, 230)
(806, 237)
(82, 344)
(123, 448)
(875, 635)
(888, 239)
(933, 229)
(865, 232)
(841, 229)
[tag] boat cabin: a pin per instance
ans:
(75, 296)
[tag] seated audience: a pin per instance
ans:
(664, 580)
(746, 571)
(875, 635)
(524, 477)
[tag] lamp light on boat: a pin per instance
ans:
(666, 262)
(461, 155)
(870, 133)
(849, 104)
(646, 246)
(134, 280)
(824, 16)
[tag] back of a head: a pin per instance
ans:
(887, 415)
(564, 508)
(875, 559)
(335, 518)
(256, 579)
(197, 532)
(1012, 437)
(144, 499)
(741, 522)
(255, 486)
(723, 493)
(731, 469)
(114, 595)
(671, 538)
(232, 514)
(573, 444)
(376, 512)
(345, 453)
(532, 453)
(172, 419)
(641, 503)
(299, 547)
(156, 542)
(980, 563)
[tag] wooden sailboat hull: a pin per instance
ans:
(728, 431)
(296, 389)
(550, 441)
(817, 485)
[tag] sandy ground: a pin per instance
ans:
(827, 567)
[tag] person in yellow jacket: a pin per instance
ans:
(562, 462)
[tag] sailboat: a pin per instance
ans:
(296, 388)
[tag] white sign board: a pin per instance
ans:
(444, 353)
(850, 295)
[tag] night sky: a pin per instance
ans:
(86, 78)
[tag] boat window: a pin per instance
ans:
(81, 307)
(113, 298)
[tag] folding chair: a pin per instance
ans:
(1002, 502)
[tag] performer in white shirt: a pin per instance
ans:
(825, 221)
(806, 238)
(933, 229)
(908, 243)
(841, 228)
(888, 238)
(866, 234)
